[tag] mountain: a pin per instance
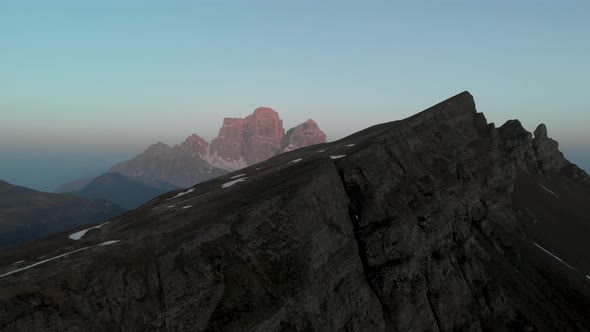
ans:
(182, 165)
(26, 214)
(240, 143)
(439, 222)
(73, 185)
(305, 134)
(247, 141)
(121, 190)
(257, 137)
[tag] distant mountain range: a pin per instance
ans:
(241, 142)
(27, 214)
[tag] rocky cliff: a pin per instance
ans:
(161, 165)
(439, 222)
(305, 134)
(247, 141)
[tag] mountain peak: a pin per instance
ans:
(541, 131)
(261, 111)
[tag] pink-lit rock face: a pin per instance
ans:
(197, 144)
(305, 134)
(249, 140)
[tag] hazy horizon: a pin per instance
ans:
(90, 84)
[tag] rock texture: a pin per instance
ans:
(305, 134)
(27, 214)
(247, 141)
(160, 165)
(439, 222)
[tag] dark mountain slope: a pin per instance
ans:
(421, 224)
(26, 214)
(73, 185)
(121, 190)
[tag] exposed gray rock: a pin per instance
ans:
(433, 223)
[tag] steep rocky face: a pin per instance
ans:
(160, 165)
(305, 134)
(247, 141)
(196, 144)
(439, 222)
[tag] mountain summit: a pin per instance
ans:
(439, 222)
(240, 143)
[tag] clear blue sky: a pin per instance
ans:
(86, 83)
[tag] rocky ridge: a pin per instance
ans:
(439, 222)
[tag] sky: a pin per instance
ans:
(84, 84)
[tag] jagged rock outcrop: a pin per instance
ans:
(305, 134)
(160, 165)
(547, 151)
(439, 222)
(247, 141)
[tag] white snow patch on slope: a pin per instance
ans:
(552, 255)
(187, 207)
(349, 145)
(231, 183)
(321, 151)
(182, 194)
(542, 186)
(80, 234)
(171, 206)
(338, 157)
(108, 243)
(238, 176)
(18, 262)
(295, 161)
(587, 276)
(42, 262)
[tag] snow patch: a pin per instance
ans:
(171, 206)
(587, 276)
(182, 194)
(337, 157)
(552, 255)
(231, 183)
(187, 207)
(18, 262)
(80, 234)
(542, 186)
(321, 151)
(295, 161)
(237, 176)
(42, 262)
(108, 243)
(349, 145)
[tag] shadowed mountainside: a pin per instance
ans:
(121, 190)
(438, 222)
(26, 214)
